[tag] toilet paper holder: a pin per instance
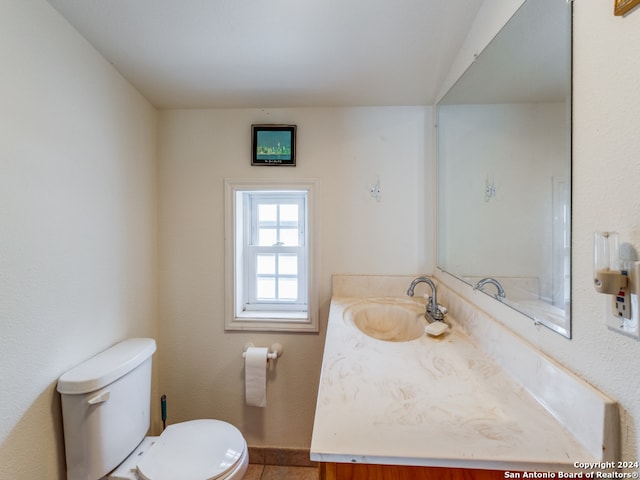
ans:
(275, 350)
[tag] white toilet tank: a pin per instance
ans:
(106, 408)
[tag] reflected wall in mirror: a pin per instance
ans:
(504, 166)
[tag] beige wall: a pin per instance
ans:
(606, 175)
(347, 150)
(77, 224)
(606, 146)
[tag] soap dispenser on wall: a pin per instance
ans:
(607, 275)
(620, 279)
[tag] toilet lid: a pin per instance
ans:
(195, 450)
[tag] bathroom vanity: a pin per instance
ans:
(345, 471)
(476, 397)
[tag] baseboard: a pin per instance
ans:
(287, 457)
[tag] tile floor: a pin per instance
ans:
(277, 472)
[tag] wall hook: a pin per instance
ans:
(375, 190)
(489, 189)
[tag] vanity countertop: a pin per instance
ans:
(431, 402)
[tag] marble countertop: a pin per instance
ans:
(432, 402)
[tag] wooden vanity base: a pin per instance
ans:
(359, 471)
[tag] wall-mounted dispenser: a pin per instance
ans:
(607, 275)
(619, 278)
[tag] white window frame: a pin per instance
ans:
(241, 311)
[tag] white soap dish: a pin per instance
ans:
(435, 329)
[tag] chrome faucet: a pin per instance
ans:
(485, 281)
(435, 312)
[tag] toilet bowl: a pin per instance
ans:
(106, 417)
(197, 449)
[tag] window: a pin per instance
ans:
(274, 249)
(269, 255)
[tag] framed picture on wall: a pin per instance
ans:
(273, 145)
(621, 7)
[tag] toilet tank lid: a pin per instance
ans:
(106, 367)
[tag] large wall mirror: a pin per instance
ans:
(504, 167)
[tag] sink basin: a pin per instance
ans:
(391, 322)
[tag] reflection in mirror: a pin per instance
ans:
(504, 166)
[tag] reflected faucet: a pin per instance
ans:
(435, 312)
(492, 281)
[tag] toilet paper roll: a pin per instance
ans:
(255, 376)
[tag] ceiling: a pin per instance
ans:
(277, 53)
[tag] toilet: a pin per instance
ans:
(106, 416)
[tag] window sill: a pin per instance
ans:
(278, 315)
(266, 321)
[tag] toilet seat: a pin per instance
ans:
(194, 450)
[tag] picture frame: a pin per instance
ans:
(273, 145)
(621, 7)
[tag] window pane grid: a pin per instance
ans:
(278, 221)
(275, 253)
(277, 277)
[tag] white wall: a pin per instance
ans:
(605, 197)
(606, 146)
(77, 224)
(347, 150)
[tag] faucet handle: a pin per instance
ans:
(442, 309)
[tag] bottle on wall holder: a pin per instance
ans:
(607, 276)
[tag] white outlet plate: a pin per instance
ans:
(620, 324)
